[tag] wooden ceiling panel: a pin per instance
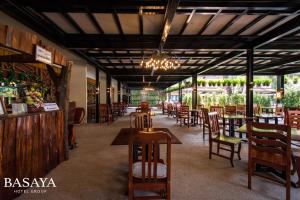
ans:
(177, 23)
(239, 24)
(217, 24)
(259, 25)
(129, 23)
(152, 24)
(196, 23)
(107, 23)
(61, 22)
(84, 22)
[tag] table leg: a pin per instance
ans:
(266, 120)
(231, 127)
(276, 120)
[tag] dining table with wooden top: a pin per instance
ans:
(267, 116)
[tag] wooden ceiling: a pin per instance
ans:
(209, 37)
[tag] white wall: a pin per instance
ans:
(114, 84)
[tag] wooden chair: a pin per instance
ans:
(215, 136)
(177, 111)
(170, 109)
(293, 118)
(184, 115)
(279, 110)
(105, 114)
(200, 116)
(220, 111)
(241, 109)
(230, 110)
(271, 149)
(150, 173)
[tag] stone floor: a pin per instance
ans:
(96, 170)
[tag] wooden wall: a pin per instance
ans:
(30, 146)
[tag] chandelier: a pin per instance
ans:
(161, 61)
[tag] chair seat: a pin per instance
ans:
(269, 157)
(137, 170)
(183, 116)
(227, 139)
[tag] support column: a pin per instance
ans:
(180, 93)
(97, 95)
(108, 89)
(249, 83)
(119, 92)
(194, 91)
(280, 88)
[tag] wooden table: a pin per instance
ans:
(194, 116)
(268, 116)
(231, 119)
(125, 133)
(269, 110)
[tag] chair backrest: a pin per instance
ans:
(213, 124)
(241, 109)
(218, 109)
(184, 110)
(79, 115)
(149, 143)
(141, 120)
(230, 110)
(170, 107)
(270, 139)
(199, 106)
(293, 118)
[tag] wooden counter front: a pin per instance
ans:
(30, 146)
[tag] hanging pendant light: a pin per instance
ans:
(161, 61)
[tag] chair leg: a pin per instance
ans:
(232, 155)
(288, 184)
(168, 191)
(218, 148)
(130, 193)
(249, 174)
(203, 130)
(239, 151)
(294, 164)
(298, 169)
(210, 148)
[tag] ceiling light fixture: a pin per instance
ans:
(162, 61)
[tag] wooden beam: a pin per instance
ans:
(188, 20)
(73, 23)
(209, 21)
(252, 23)
(117, 21)
(287, 60)
(95, 23)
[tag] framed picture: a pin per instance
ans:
(2, 107)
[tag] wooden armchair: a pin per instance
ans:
(105, 114)
(270, 145)
(170, 109)
(184, 116)
(150, 173)
(220, 111)
(215, 136)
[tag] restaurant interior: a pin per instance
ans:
(149, 99)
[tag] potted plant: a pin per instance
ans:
(266, 82)
(219, 83)
(242, 83)
(203, 83)
(258, 82)
(214, 83)
(229, 82)
(285, 80)
(295, 80)
(234, 82)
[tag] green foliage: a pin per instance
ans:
(219, 83)
(266, 82)
(187, 99)
(291, 99)
(262, 100)
(242, 82)
(234, 82)
(295, 80)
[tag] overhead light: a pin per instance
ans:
(161, 61)
(148, 89)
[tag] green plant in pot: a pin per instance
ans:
(258, 82)
(234, 82)
(266, 82)
(229, 83)
(295, 80)
(242, 82)
(219, 83)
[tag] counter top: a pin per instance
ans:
(25, 114)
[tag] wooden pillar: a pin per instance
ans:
(119, 92)
(194, 91)
(62, 85)
(97, 95)
(249, 83)
(108, 89)
(180, 93)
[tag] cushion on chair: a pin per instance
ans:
(233, 140)
(137, 170)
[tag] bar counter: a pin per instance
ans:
(31, 145)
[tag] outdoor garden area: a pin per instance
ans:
(231, 90)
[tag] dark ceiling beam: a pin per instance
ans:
(73, 23)
(285, 29)
(95, 23)
(146, 72)
(117, 21)
(287, 60)
(209, 21)
(141, 22)
(96, 5)
(90, 60)
(188, 20)
(169, 16)
(264, 28)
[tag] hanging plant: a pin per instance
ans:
(219, 83)
(234, 82)
(258, 82)
(285, 80)
(242, 83)
(229, 82)
(224, 82)
(266, 82)
(295, 80)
